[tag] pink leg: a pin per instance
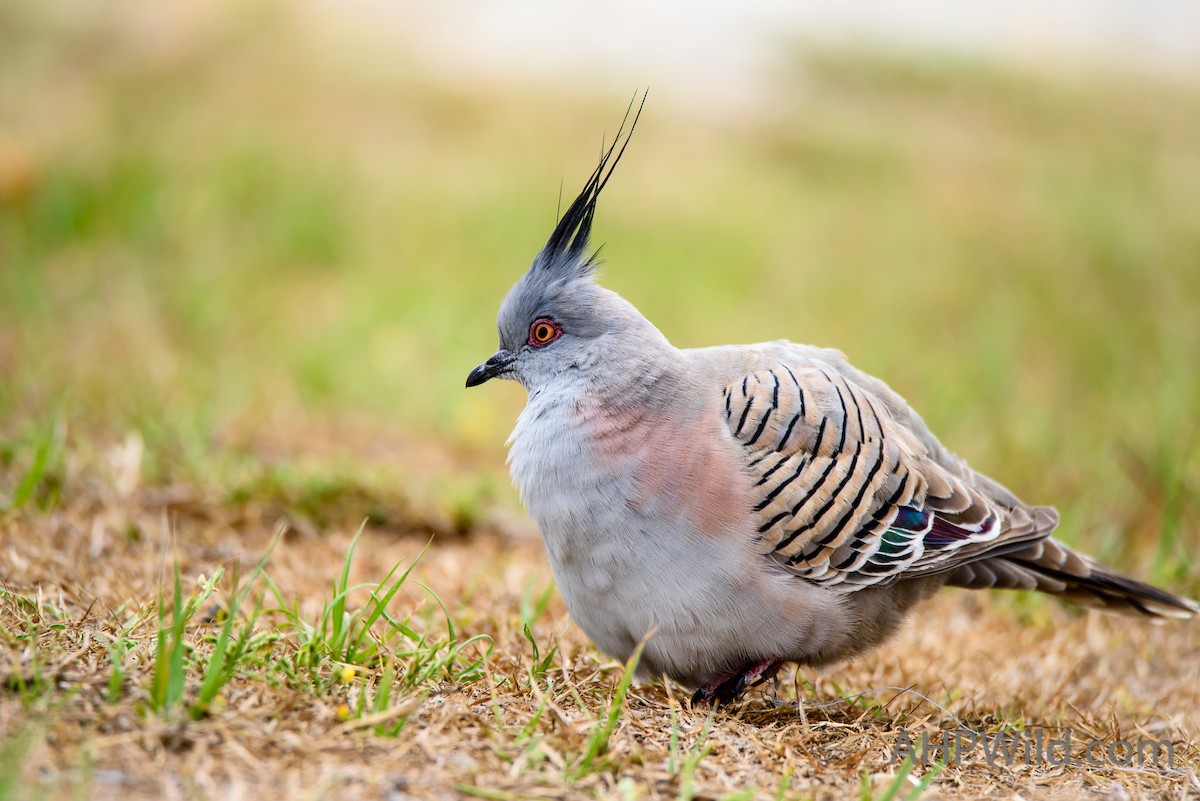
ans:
(729, 687)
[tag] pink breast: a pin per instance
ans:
(678, 468)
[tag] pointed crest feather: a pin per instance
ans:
(564, 251)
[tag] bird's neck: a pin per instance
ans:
(604, 401)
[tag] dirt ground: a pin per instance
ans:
(75, 577)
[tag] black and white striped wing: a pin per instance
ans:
(846, 495)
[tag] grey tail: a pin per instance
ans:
(1051, 567)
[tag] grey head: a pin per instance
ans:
(556, 319)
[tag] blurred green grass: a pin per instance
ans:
(261, 225)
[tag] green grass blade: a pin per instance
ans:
(602, 733)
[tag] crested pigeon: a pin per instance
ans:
(738, 507)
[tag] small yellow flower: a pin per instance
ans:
(347, 674)
(343, 712)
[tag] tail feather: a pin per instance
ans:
(1051, 567)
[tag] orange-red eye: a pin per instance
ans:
(543, 332)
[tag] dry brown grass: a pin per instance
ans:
(975, 660)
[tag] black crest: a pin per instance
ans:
(565, 250)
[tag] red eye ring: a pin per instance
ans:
(542, 332)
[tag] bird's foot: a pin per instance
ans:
(729, 687)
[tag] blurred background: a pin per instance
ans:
(262, 243)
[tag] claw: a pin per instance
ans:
(729, 687)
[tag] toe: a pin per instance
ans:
(731, 691)
(729, 688)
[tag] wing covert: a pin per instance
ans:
(846, 494)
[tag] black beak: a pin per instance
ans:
(497, 364)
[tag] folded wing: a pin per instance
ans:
(846, 495)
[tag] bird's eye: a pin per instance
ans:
(543, 331)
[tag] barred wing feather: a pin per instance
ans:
(847, 495)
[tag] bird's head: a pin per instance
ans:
(556, 319)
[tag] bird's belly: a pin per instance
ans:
(703, 605)
(624, 586)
